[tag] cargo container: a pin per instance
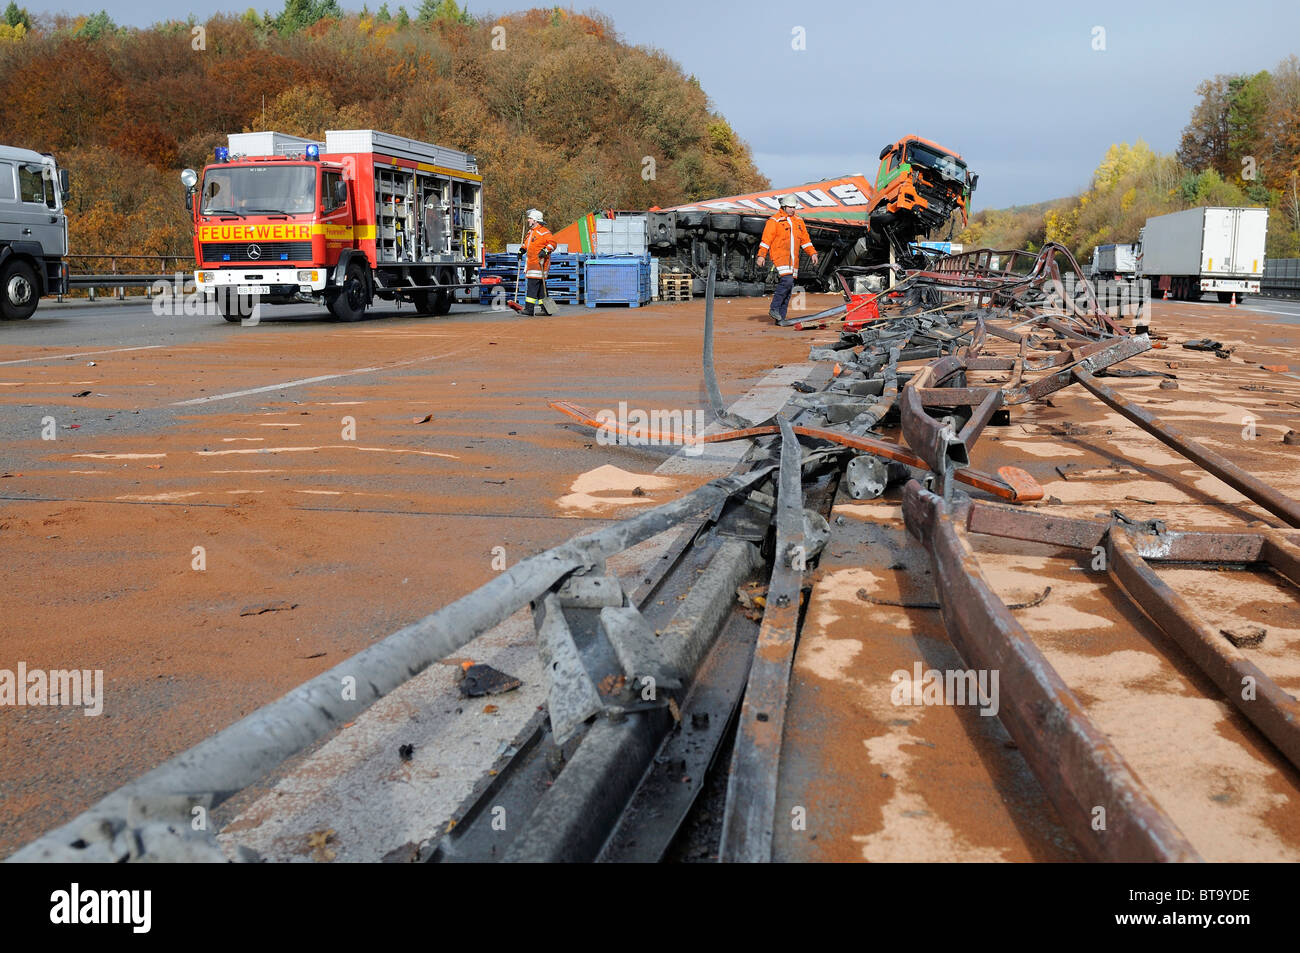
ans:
(622, 235)
(1218, 250)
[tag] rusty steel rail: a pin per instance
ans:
(1079, 768)
(1130, 549)
(1249, 485)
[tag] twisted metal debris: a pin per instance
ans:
(935, 355)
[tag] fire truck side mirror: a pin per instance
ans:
(886, 151)
(340, 193)
(974, 180)
(65, 190)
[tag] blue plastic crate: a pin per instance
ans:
(623, 279)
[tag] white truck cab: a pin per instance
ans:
(33, 230)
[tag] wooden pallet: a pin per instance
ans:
(675, 287)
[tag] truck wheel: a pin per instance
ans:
(234, 307)
(18, 291)
(350, 302)
(432, 302)
(426, 302)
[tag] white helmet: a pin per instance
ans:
(787, 201)
(535, 215)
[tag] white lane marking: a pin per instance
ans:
(316, 380)
(120, 456)
(61, 357)
(344, 446)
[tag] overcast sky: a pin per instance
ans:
(1017, 88)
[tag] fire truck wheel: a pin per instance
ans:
(443, 303)
(18, 291)
(233, 307)
(350, 302)
(426, 302)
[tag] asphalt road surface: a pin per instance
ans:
(211, 513)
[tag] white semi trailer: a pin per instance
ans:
(1199, 250)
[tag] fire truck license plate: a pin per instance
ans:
(254, 290)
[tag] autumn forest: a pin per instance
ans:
(559, 111)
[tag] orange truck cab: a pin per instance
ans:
(362, 216)
(919, 186)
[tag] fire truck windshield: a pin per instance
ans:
(259, 190)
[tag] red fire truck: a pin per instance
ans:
(363, 215)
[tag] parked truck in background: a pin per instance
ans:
(363, 215)
(1199, 250)
(33, 231)
(1113, 261)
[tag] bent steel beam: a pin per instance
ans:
(1270, 709)
(749, 814)
(1275, 712)
(1011, 483)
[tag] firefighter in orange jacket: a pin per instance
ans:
(785, 238)
(538, 245)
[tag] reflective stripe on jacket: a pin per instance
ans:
(539, 237)
(784, 236)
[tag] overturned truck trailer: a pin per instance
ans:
(727, 231)
(919, 188)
